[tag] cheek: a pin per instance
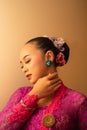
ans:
(34, 64)
(37, 67)
(37, 61)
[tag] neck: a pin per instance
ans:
(51, 70)
(47, 100)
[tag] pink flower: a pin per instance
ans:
(59, 42)
(60, 59)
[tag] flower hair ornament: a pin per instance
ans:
(60, 59)
(58, 43)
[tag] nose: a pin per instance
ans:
(25, 69)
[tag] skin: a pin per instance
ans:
(44, 79)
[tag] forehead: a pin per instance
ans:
(29, 49)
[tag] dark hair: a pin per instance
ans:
(46, 44)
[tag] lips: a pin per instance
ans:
(28, 76)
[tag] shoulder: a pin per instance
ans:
(19, 93)
(75, 93)
(23, 90)
(16, 96)
(75, 96)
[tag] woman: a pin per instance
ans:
(49, 104)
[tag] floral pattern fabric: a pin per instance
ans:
(71, 115)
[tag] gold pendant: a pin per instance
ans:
(48, 120)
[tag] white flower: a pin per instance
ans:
(59, 42)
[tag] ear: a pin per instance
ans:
(49, 55)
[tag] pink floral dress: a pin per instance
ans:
(68, 107)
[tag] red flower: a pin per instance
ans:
(60, 59)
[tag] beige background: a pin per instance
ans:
(21, 20)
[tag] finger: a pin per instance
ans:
(54, 80)
(60, 81)
(52, 75)
(56, 85)
(56, 88)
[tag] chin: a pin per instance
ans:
(33, 81)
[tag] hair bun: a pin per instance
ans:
(63, 50)
(58, 43)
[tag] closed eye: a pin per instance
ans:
(27, 61)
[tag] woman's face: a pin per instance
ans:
(33, 62)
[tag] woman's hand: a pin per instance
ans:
(46, 85)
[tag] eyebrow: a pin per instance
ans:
(24, 57)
